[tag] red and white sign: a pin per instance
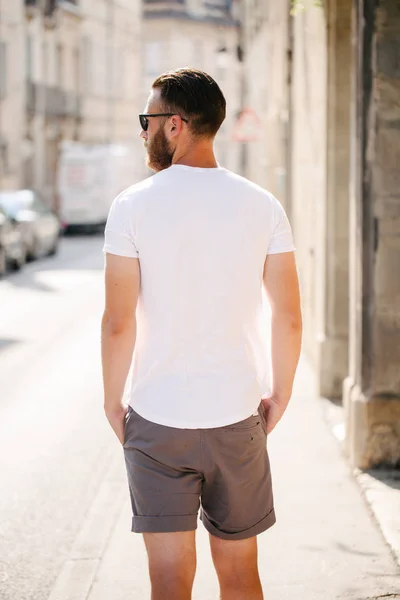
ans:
(248, 127)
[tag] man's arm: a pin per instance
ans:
(282, 288)
(118, 334)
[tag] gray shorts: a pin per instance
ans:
(225, 471)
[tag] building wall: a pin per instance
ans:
(286, 76)
(309, 142)
(267, 93)
(334, 339)
(51, 72)
(372, 390)
(256, 89)
(298, 74)
(111, 70)
(342, 165)
(78, 78)
(12, 93)
(171, 42)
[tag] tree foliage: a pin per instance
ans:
(298, 6)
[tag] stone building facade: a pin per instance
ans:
(12, 92)
(266, 92)
(73, 73)
(205, 35)
(331, 82)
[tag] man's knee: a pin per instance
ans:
(236, 565)
(236, 558)
(172, 561)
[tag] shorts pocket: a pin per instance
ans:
(261, 412)
(252, 422)
(126, 421)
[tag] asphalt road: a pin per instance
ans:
(54, 441)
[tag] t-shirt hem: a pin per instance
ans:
(199, 425)
(282, 250)
(108, 250)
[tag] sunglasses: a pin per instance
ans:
(144, 119)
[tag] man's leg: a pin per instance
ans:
(236, 564)
(172, 564)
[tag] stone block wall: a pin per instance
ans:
(372, 391)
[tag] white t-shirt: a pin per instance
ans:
(201, 237)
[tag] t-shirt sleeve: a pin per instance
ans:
(282, 237)
(118, 234)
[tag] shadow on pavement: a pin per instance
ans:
(388, 476)
(6, 343)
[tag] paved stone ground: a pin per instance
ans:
(326, 544)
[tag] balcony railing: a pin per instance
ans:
(152, 2)
(55, 102)
(215, 10)
(72, 105)
(48, 6)
(51, 101)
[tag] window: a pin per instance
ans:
(38, 205)
(118, 75)
(59, 65)
(198, 53)
(153, 58)
(87, 64)
(4, 163)
(45, 57)
(77, 68)
(120, 83)
(223, 59)
(221, 4)
(220, 75)
(29, 57)
(3, 70)
(15, 201)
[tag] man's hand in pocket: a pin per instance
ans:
(116, 418)
(273, 411)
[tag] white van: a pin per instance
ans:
(89, 177)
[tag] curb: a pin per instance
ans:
(380, 488)
(79, 571)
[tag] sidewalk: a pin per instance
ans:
(325, 545)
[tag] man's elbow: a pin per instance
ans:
(292, 319)
(115, 325)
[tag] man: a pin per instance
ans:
(187, 253)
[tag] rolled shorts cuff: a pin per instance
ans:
(164, 524)
(256, 529)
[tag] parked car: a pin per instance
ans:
(39, 226)
(12, 251)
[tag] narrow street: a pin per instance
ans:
(64, 505)
(54, 442)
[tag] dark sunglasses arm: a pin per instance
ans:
(164, 115)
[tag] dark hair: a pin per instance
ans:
(195, 95)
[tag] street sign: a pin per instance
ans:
(248, 127)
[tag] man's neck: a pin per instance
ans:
(196, 157)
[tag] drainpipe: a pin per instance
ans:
(109, 72)
(0, 100)
(41, 105)
(1, 104)
(241, 56)
(289, 121)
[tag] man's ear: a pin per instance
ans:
(176, 124)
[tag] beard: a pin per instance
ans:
(159, 152)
